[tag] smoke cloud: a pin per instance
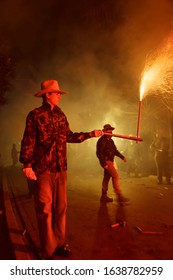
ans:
(96, 50)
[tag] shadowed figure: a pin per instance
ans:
(106, 151)
(161, 146)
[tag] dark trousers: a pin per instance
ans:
(110, 172)
(51, 205)
(163, 167)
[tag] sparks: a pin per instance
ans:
(157, 77)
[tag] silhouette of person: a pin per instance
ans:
(106, 151)
(160, 146)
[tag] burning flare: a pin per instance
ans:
(157, 77)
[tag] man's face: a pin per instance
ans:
(109, 131)
(53, 98)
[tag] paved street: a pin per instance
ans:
(89, 231)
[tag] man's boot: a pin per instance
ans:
(105, 198)
(122, 199)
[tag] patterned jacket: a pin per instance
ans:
(106, 150)
(43, 146)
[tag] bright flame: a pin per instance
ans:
(157, 77)
(142, 90)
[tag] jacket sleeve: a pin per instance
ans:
(118, 154)
(77, 137)
(28, 141)
(101, 151)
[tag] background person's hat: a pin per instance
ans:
(108, 127)
(49, 86)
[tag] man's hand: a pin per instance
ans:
(125, 159)
(29, 173)
(98, 133)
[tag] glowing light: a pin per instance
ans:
(142, 90)
(157, 77)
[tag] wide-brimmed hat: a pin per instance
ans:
(49, 86)
(108, 127)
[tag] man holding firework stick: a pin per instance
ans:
(106, 151)
(43, 154)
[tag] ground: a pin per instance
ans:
(89, 231)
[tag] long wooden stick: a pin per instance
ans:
(124, 136)
(139, 119)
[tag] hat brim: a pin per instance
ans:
(108, 129)
(111, 128)
(40, 93)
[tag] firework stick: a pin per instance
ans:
(139, 119)
(124, 136)
(119, 224)
(148, 232)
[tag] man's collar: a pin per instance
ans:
(48, 107)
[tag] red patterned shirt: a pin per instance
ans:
(46, 133)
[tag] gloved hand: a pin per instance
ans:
(29, 173)
(96, 133)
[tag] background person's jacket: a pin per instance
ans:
(107, 150)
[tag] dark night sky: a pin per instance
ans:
(96, 49)
(38, 31)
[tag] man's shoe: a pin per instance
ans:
(63, 251)
(106, 199)
(122, 199)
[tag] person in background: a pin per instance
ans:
(160, 146)
(106, 151)
(43, 154)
